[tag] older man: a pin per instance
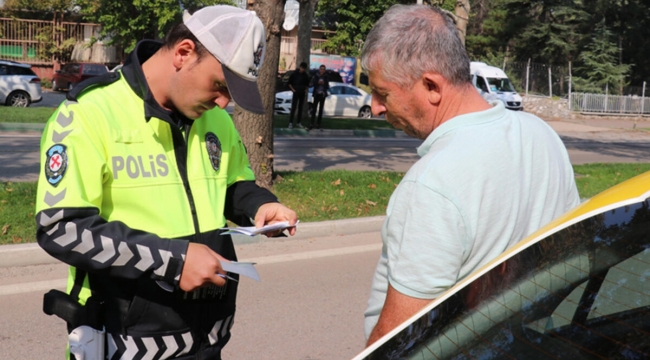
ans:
(487, 177)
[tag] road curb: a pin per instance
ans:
(33, 254)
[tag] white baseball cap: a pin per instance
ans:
(236, 37)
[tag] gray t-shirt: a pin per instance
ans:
(484, 181)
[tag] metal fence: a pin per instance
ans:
(538, 79)
(33, 41)
(609, 104)
(534, 79)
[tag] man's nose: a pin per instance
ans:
(222, 101)
(377, 107)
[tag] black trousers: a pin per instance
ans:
(319, 102)
(298, 97)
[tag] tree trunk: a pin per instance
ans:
(303, 51)
(462, 17)
(306, 16)
(257, 130)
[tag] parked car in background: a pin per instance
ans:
(344, 100)
(73, 73)
(282, 83)
(19, 85)
(579, 288)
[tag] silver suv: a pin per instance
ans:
(19, 85)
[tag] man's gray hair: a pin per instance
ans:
(410, 40)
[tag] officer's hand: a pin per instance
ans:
(201, 268)
(271, 213)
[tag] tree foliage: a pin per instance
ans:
(600, 69)
(352, 20)
(125, 22)
(557, 32)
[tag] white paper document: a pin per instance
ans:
(241, 268)
(252, 230)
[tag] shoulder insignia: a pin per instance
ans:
(92, 82)
(213, 146)
(56, 164)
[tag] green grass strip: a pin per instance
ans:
(314, 195)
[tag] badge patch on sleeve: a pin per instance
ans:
(56, 164)
(213, 146)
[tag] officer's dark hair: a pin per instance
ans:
(303, 65)
(179, 33)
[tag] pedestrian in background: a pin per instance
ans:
(487, 178)
(320, 83)
(298, 83)
(141, 169)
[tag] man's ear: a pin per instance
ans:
(183, 52)
(433, 85)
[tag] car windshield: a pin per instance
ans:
(580, 293)
(497, 84)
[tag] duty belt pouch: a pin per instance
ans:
(86, 331)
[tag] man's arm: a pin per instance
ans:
(397, 308)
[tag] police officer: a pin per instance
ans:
(141, 169)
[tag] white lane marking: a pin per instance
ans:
(263, 260)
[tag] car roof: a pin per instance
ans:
(632, 191)
(14, 63)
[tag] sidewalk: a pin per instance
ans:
(32, 254)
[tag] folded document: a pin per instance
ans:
(252, 230)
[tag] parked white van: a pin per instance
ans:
(493, 83)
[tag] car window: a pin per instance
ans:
(350, 91)
(581, 293)
(480, 83)
(336, 90)
(19, 70)
(503, 84)
(92, 69)
(3, 70)
(74, 68)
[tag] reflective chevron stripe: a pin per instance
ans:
(125, 254)
(69, 236)
(46, 221)
(52, 200)
(147, 348)
(165, 255)
(146, 259)
(86, 243)
(220, 329)
(108, 250)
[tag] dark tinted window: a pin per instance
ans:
(480, 83)
(19, 70)
(94, 69)
(363, 79)
(336, 90)
(581, 293)
(350, 91)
